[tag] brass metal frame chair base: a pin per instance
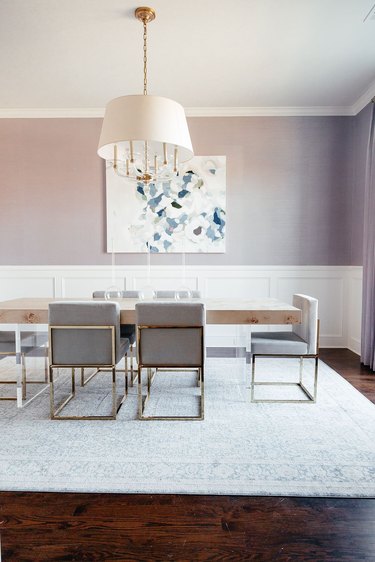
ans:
(311, 396)
(116, 404)
(133, 378)
(143, 400)
(85, 381)
(133, 370)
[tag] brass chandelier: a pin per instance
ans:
(145, 137)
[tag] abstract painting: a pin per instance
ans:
(187, 214)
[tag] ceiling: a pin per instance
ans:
(239, 56)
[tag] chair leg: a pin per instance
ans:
(114, 396)
(252, 378)
(300, 369)
(133, 376)
(23, 364)
(126, 375)
(201, 370)
(46, 365)
(140, 398)
(51, 393)
(316, 378)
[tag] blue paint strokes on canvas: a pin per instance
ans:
(188, 209)
(183, 193)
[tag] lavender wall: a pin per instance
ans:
(289, 191)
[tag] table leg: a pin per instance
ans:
(19, 369)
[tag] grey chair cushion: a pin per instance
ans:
(288, 343)
(85, 346)
(181, 346)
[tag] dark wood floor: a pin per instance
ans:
(111, 527)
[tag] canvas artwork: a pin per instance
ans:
(187, 214)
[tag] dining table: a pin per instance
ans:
(22, 313)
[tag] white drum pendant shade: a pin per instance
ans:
(141, 118)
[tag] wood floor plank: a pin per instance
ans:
(130, 527)
(349, 366)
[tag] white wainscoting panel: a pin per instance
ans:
(239, 286)
(12, 286)
(338, 288)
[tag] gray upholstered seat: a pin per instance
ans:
(278, 342)
(180, 294)
(301, 342)
(85, 334)
(170, 336)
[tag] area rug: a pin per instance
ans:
(241, 448)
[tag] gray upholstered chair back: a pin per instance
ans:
(173, 333)
(308, 329)
(113, 294)
(84, 346)
(181, 294)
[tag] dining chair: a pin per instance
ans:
(126, 330)
(170, 337)
(302, 343)
(85, 335)
(169, 294)
(30, 342)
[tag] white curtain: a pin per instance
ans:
(368, 295)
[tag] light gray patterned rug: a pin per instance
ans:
(326, 449)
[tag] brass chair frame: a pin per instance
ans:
(311, 397)
(142, 401)
(54, 412)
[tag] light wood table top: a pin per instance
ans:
(218, 311)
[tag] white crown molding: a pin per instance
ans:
(364, 99)
(51, 113)
(58, 113)
(266, 111)
(98, 112)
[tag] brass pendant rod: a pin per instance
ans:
(144, 58)
(145, 15)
